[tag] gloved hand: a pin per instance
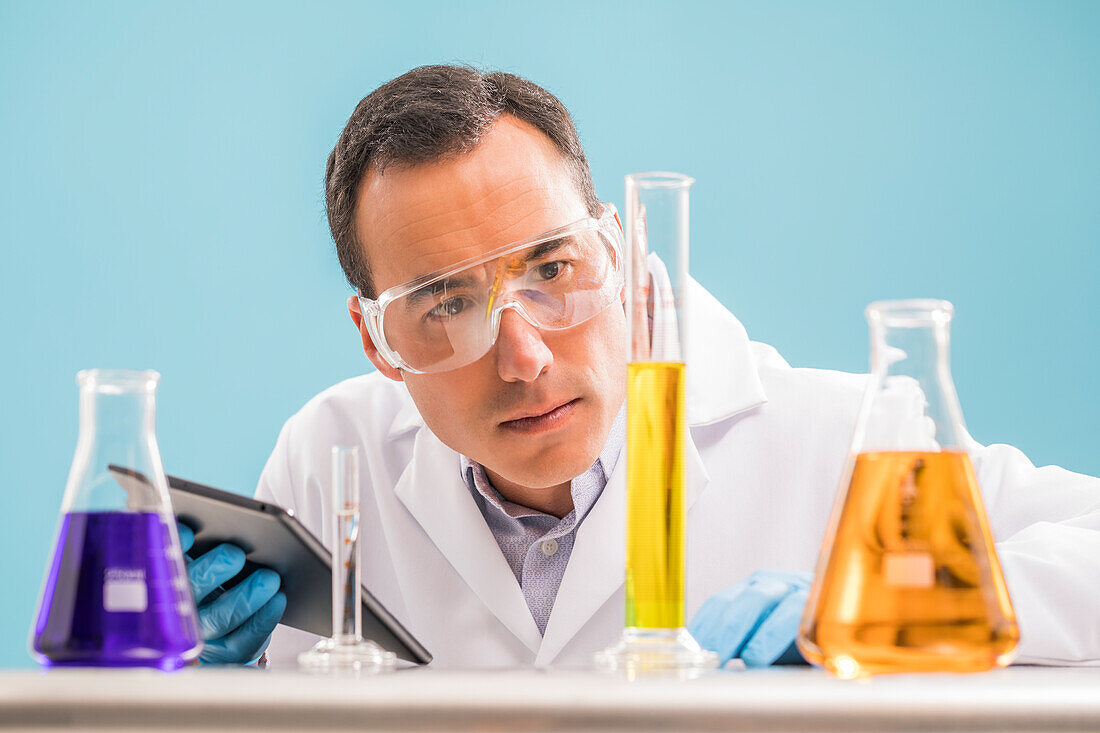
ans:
(237, 625)
(756, 619)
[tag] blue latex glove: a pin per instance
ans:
(756, 619)
(236, 625)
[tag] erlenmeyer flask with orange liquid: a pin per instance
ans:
(908, 578)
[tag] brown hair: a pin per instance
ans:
(427, 114)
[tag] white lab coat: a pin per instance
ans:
(766, 447)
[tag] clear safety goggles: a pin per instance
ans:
(450, 318)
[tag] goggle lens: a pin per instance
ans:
(454, 321)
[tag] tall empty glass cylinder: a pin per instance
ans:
(908, 578)
(116, 591)
(654, 637)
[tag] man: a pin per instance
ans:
(491, 473)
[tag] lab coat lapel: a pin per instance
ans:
(432, 489)
(597, 564)
(596, 567)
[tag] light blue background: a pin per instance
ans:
(161, 200)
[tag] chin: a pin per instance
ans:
(549, 468)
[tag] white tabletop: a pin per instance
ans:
(782, 699)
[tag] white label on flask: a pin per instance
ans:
(124, 590)
(908, 569)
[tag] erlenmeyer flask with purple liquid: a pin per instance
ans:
(116, 592)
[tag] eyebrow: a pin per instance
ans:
(413, 299)
(547, 247)
(428, 291)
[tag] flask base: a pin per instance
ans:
(846, 667)
(656, 652)
(859, 660)
(165, 664)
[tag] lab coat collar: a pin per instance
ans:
(432, 489)
(408, 417)
(722, 378)
(722, 374)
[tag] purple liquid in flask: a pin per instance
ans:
(113, 595)
(116, 592)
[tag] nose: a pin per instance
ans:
(521, 353)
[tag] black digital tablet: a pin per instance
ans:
(272, 537)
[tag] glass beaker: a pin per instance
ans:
(654, 639)
(908, 578)
(116, 592)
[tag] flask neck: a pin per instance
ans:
(921, 352)
(913, 404)
(117, 463)
(117, 417)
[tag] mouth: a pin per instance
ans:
(552, 419)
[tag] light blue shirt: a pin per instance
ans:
(537, 545)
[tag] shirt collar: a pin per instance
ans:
(475, 477)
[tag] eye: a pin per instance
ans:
(550, 270)
(449, 308)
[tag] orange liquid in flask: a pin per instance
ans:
(912, 582)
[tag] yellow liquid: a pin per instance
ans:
(655, 495)
(912, 582)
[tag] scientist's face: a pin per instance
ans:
(536, 409)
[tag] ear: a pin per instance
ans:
(368, 343)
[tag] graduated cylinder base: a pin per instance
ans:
(656, 652)
(359, 657)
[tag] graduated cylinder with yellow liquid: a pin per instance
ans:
(655, 495)
(908, 578)
(654, 639)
